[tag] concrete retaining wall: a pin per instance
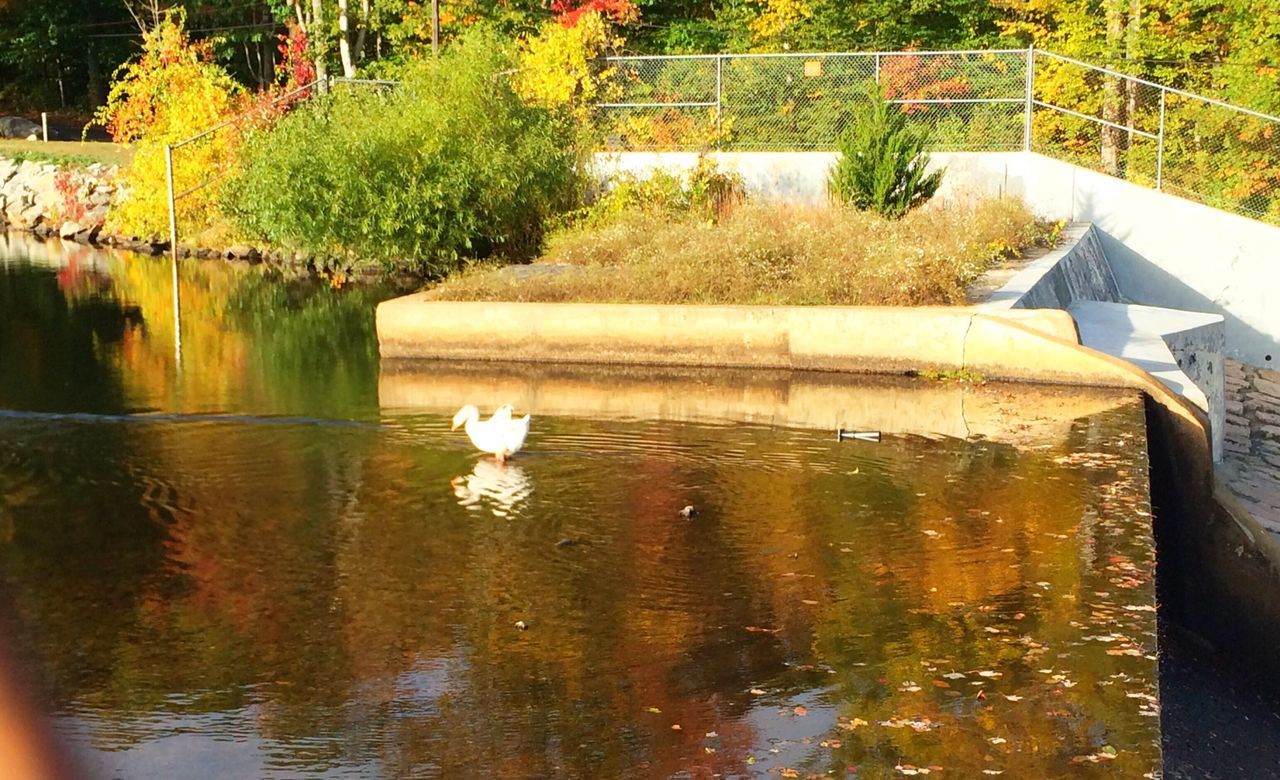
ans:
(822, 338)
(1077, 270)
(1036, 345)
(1163, 250)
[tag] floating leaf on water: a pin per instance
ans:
(788, 772)
(751, 760)
(761, 630)
(676, 727)
(810, 602)
(655, 710)
(1012, 697)
(954, 676)
(989, 673)
(997, 740)
(800, 710)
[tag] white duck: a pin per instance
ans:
(500, 434)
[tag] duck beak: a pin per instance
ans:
(453, 427)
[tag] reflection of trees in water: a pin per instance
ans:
(82, 556)
(252, 339)
(49, 344)
(336, 569)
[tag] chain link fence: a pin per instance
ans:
(998, 100)
(972, 100)
(1157, 136)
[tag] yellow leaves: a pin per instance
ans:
(776, 17)
(169, 93)
(556, 68)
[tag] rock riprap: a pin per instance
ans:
(47, 199)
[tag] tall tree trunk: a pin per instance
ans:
(269, 60)
(93, 74)
(344, 41)
(364, 26)
(1132, 52)
(1112, 88)
(315, 38)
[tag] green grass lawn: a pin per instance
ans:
(66, 152)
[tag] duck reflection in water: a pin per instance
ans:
(501, 488)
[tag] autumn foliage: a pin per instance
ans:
(618, 11)
(171, 92)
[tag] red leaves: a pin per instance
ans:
(618, 11)
(297, 65)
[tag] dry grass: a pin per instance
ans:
(766, 255)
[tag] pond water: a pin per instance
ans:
(237, 560)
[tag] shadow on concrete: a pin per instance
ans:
(1143, 281)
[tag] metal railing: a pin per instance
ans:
(976, 100)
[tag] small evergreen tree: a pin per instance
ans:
(882, 162)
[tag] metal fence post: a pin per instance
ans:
(719, 97)
(173, 209)
(1160, 145)
(877, 58)
(44, 125)
(1031, 84)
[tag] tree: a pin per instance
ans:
(170, 92)
(882, 162)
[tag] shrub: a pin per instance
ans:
(170, 92)
(882, 162)
(450, 165)
(561, 67)
(705, 192)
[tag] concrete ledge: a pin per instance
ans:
(824, 338)
(1180, 349)
(1029, 345)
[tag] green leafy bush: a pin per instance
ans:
(451, 165)
(882, 162)
(705, 192)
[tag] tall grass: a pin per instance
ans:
(768, 254)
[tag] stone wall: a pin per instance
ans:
(49, 199)
(1252, 467)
